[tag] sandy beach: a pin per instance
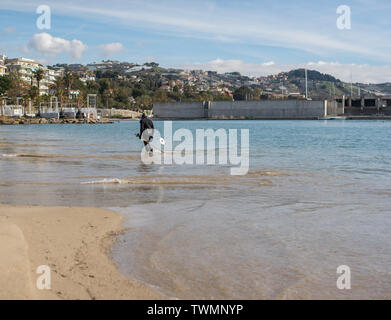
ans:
(74, 242)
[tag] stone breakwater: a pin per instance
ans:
(17, 121)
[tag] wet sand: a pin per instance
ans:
(74, 242)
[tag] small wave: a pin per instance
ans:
(72, 156)
(26, 155)
(267, 173)
(107, 181)
(10, 155)
(30, 145)
(152, 181)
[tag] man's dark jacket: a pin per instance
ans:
(145, 124)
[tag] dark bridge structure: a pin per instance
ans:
(366, 105)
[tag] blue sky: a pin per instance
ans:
(252, 37)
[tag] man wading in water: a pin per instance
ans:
(146, 132)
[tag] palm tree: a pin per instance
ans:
(26, 103)
(59, 88)
(38, 75)
(34, 94)
(68, 82)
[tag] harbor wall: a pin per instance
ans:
(179, 110)
(333, 108)
(264, 109)
(267, 109)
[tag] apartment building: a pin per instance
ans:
(3, 68)
(25, 68)
(51, 76)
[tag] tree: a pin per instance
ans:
(59, 88)
(104, 85)
(160, 96)
(222, 97)
(257, 93)
(144, 101)
(312, 74)
(26, 103)
(121, 97)
(18, 86)
(243, 93)
(38, 75)
(264, 97)
(188, 91)
(5, 84)
(33, 93)
(67, 79)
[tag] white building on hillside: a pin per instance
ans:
(3, 68)
(51, 75)
(25, 68)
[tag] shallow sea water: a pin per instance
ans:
(317, 196)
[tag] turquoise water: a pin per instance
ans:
(317, 195)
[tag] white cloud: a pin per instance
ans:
(44, 61)
(52, 46)
(76, 49)
(111, 48)
(309, 27)
(297, 28)
(360, 73)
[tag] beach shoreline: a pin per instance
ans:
(75, 243)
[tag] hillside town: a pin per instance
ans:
(131, 86)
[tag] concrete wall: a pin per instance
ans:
(334, 108)
(50, 115)
(269, 109)
(107, 113)
(265, 109)
(11, 111)
(352, 111)
(179, 110)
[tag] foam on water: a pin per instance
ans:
(162, 180)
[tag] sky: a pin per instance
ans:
(256, 38)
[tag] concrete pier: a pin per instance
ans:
(369, 105)
(263, 109)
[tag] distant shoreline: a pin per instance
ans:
(347, 117)
(35, 121)
(27, 121)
